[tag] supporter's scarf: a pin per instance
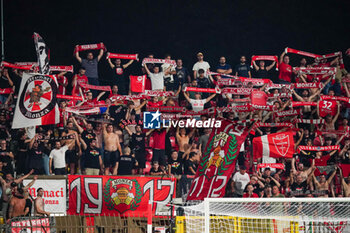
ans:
(166, 109)
(255, 81)
(279, 86)
(26, 63)
(206, 90)
(127, 97)
(315, 70)
(93, 110)
(43, 138)
(290, 50)
(14, 66)
(238, 108)
(336, 98)
(226, 75)
(123, 56)
(310, 121)
(207, 111)
(245, 121)
(236, 91)
(260, 124)
(159, 61)
(5, 91)
(264, 58)
(62, 68)
(225, 82)
(301, 104)
(346, 80)
(271, 165)
(93, 87)
(280, 95)
(308, 85)
(338, 132)
(159, 93)
(319, 148)
(263, 107)
(335, 54)
(292, 112)
(245, 100)
(99, 46)
(69, 97)
(94, 119)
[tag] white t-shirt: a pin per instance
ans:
(157, 81)
(197, 105)
(240, 182)
(166, 66)
(59, 157)
(201, 65)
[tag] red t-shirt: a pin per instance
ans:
(322, 161)
(156, 104)
(80, 79)
(327, 107)
(285, 72)
(159, 139)
(62, 80)
(254, 195)
(258, 97)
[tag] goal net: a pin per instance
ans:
(272, 215)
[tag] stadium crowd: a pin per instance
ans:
(112, 141)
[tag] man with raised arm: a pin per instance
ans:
(112, 149)
(91, 66)
(71, 154)
(157, 78)
(39, 204)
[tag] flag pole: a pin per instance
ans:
(2, 32)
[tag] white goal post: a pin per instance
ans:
(294, 215)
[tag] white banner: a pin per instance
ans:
(55, 196)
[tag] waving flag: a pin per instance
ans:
(36, 103)
(275, 145)
(43, 54)
(218, 162)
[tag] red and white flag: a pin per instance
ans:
(138, 83)
(36, 103)
(275, 145)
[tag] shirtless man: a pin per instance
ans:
(39, 205)
(301, 171)
(7, 186)
(71, 156)
(18, 203)
(345, 183)
(112, 149)
(183, 139)
(323, 184)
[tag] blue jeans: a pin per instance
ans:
(46, 162)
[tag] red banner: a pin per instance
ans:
(290, 50)
(119, 195)
(218, 161)
(14, 66)
(6, 90)
(123, 56)
(33, 225)
(271, 165)
(264, 58)
(99, 46)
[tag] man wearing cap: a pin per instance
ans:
(200, 64)
(241, 179)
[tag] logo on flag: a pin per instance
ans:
(151, 120)
(37, 97)
(281, 142)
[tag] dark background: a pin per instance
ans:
(181, 28)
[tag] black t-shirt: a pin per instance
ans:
(117, 113)
(29, 205)
(138, 142)
(176, 166)
(92, 158)
(242, 70)
(181, 76)
(88, 137)
(36, 158)
(126, 164)
(4, 83)
(263, 74)
(4, 157)
(187, 166)
(298, 189)
(118, 72)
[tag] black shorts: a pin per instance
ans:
(159, 155)
(140, 157)
(110, 158)
(71, 157)
(60, 171)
